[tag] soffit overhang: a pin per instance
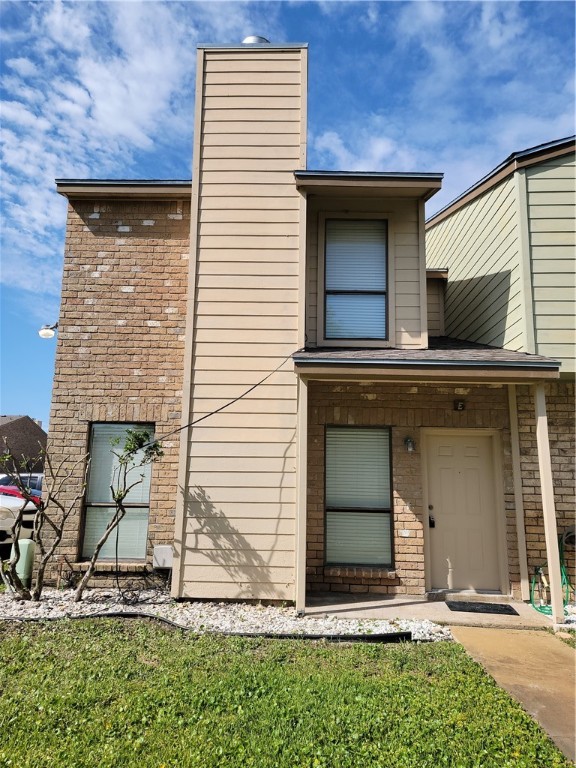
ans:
(382, 185)
(76, 189)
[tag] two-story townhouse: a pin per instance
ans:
(509, 245)
(327, 442)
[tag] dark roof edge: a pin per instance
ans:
(123, 182)
(540, 148)
(245, 46)
(552, 365)
(567, 143)
(372, 175)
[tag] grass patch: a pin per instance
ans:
(568, 636)
(111, 694)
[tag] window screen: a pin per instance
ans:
(358, 496)
(356, 279)
(133, 529)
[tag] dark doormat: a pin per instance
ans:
(502, 608)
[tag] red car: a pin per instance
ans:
(13, 490)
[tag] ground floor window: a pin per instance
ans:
(99, 509)
(358, 496)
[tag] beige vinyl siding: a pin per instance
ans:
(551, 191)
(405, 263)
(435, 293)
(480, 245)
(239, 518)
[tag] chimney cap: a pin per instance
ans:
(255, 40)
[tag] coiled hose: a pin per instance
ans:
(539, 579)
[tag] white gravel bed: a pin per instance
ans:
(212, 617)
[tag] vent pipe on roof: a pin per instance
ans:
(255, 40)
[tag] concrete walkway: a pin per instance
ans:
(536, 668)
(347, 606)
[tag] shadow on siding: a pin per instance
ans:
(483, 309)
(231, 550)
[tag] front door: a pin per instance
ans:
(462, 510)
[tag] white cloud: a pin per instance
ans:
(22, 66)
(14, 112)
(98, 90)
(420, 20)
(363, 148)
(370, 19)
(66, 25)
(500, 24)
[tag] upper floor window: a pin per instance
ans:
(355, 279)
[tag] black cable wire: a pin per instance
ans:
(217, 410)
(387, 637)
(132, 598)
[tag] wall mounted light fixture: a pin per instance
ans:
(410, 444)
(48, 331)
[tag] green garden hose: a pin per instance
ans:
(567, 588)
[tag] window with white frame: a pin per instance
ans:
(99, 507)
(355, 279)
(358, 496)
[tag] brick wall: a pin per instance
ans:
(121, 338)
(560, 410)
(406, 409)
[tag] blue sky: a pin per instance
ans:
(106, 90)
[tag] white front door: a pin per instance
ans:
(462, 513)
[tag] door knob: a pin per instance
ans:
(431, 521)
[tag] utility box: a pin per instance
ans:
(163, 556)
(25, 563)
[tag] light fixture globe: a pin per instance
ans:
(48, 331)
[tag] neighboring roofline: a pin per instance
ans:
(152, 188)
(424, 184)
(522, 159)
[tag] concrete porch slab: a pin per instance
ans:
(348, 606)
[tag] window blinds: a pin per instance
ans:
(355, 279)
(358, 467)
(132, 533)
(358, 496)
(104, 465)
(358, 538)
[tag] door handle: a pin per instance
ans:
(431, 521)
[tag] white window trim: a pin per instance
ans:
(391, 283)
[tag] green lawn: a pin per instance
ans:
(111, 693)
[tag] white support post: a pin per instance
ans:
(548, 507)
(518, 496)
(301, 499)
